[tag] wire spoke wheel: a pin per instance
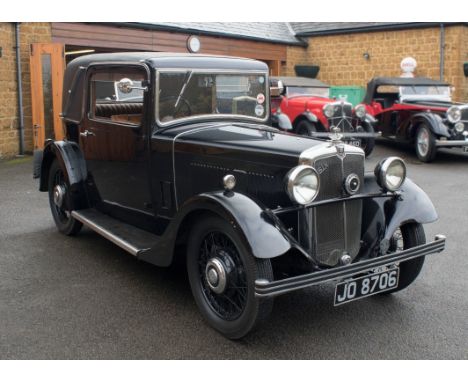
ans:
(228, 303)
(58, 200)
(222, 273)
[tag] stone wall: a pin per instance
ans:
(342, 63)
(9, 121)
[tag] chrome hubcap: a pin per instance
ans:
(215, 274)
(59, 195)
(423, 142)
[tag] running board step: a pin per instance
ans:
(131, 239)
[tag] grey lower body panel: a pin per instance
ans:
(264, 288)
(133, 240)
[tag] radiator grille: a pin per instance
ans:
(336, 227)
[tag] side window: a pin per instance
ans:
(108, 103)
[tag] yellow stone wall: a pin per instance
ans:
(9, 135)
(341, 60)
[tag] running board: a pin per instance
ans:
(131, 239)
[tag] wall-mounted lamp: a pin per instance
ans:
(366, 56)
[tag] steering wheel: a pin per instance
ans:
(183, 104)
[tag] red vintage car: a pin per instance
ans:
(418, 111)
(312, 112)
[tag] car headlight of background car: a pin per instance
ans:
(329, 110)
(391, 173)
(360, 111)
(302, 184)
(454, 114)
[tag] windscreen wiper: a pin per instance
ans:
(183, 89)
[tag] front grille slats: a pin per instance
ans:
(336, 227)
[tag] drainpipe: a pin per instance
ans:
(442, 51)
(20, 89)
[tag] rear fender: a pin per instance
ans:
(73, 164)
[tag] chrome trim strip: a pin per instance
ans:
(107, 234)
(447, 143)
(263, 288)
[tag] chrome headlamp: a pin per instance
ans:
(454, 114)
(360, 111)
(329, 110)
(302, 184)
(391, 173)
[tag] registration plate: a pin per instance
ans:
(465, 149)
(360, 287)
(353, 143)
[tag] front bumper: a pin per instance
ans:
(448, 143)
(264, 288)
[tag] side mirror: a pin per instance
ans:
(281, 121)
(125, 85)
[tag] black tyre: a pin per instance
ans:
(58, 192)
(425, 143)
(222, 274)
(408, 236)
(306, 128)
(367, 144)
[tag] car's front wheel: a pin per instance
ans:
(222, 274)
(425, 144)
(408, 236)
(58, 194)
(367, 144)
(306, 128)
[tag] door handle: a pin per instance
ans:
(87, 133)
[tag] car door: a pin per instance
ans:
(114, 141)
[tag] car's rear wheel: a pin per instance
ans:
(306, 128)
(58, 194)
(425, 144)
(222, 274)
(408, 236)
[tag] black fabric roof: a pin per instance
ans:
(301, 81)
(398, 81)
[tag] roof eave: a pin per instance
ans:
(168, 28)
(377, 28)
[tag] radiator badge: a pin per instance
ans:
(322, 167)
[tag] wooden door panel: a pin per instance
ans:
(47, 65)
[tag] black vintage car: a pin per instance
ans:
(418, 111)
(192, 170)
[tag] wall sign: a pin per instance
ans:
(193, 44)
(408, 65)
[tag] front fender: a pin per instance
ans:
(433, 121)
(311, 117)
(382, 216)
(263, 237)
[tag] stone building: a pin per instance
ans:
(346, 53)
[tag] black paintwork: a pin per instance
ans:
(168, 178)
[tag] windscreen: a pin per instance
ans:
(425, 92)
(188, 94)
(309, 90)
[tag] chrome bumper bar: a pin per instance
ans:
(440, 143)
(264, 288)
